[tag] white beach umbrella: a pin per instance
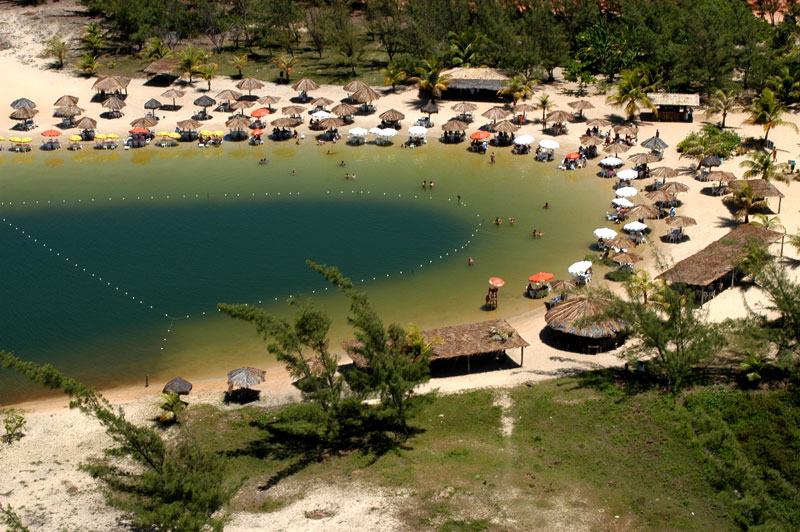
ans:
(358, 132)
(611, 161)
(388, 132)
(622, 202)
(580, 267)
(320, 115)
(417, 131)
(627, 174)
(626, 192)
(375, 130)
(548, 144)
(634, 227)
(604, 233)
(524, 140)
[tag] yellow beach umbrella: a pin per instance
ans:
(15, 139)
(99, 136)
(26, 140)
(206, 133)
(219, 133)
(75, 138)
(163, 134)
(2, 139)
(112, 136)
(175, 135)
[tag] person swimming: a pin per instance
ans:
(341, 163)
(431, 184)
(546, 205)
(511, 220)
(498, 221)
(294, 171)
(425, 184)
(537, 234)
(470, 261)
(263, 162)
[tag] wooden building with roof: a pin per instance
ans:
(163, 69)
(672, 107)
(474, 84)
(762, 189)
(715, 267)
(472, 339)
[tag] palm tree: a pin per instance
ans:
(767, 110)
(172, 406)
(641, 284)
(93, 43)
(57, 49)
(545, 105)
(156, 49)
(394, 75)
(744, 199)
(191, 59)
(761, 166)
(723, 103)
(430, 79)
(207, 72)
(517, 88)
(285, 66)
(773, 224)
(785, 87)
(88, 64)
(754, 367)
(239, 62)
(632, 90)
(464, 47)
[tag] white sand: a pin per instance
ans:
(39, 474)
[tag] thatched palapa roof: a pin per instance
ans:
(720, 257)
(164, 66)
(761, 188)
(664, 98)
(460, 340)
(574, 316)
(476, 78)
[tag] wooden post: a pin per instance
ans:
(147, 381)
(468, 368)
(780, 199)
(782, 239)
(521, 356)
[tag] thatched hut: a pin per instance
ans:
(671, 107)
(474, 84)
(761, 188)
(576, 326)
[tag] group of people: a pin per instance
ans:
(499, 221)
(426, 185)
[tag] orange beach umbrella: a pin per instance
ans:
(573, 156)
(496, 282)
(541, 277)
(51, 133)
(480, 135)
(257, 132)
(139, 131)
(260, 113)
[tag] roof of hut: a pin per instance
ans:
(720, 257)
(162, 66)
(461, 340)
(674, 98)
(761, 188)
(476, 78)
(573, 316)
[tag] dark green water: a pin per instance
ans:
(180, 230)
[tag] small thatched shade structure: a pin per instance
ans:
(559, 117)
(144, 122)
(245, 377)
(644, 158)
(24, 113)
(366, 95)
(430, 108)
(114, 104)
(152, 104)
(344, 109)
(719, 259)
(228, 95)
(761, 189)
(473, 83)
(573, 322)
(674, 187)
(331, 123)
(496, 113)
(66, 100)
(87, 123)
(504, 126)
(355, 85)
(461, 341)
(305, 85)
(464, 107)
(269, 100)
(721, 176)
(178, 386)
(69, 111)
(249, 85)
(663, 172)
(293, 110)
(322, 101)
(239, 122)
(285, 122)
(111, 84)
(655, 143)
(592, 140)
(392, 116)
(22, 103)
(581, 105)
(598, 122)
(189, 125)
(162, 67)
(455, 125)
(644, 211)
(616, 148)
(205, 101)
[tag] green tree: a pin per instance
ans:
(761, 166)
(14, 423)
(283, 18)
(545, 104)
(207, 72)
(605, 50)
(632, 90)
(285, 65)
(723, 103)
(394, 75)
(191, 59)
(156, 49)
(773, 224)
(239, 62)
(56, 49)
(429, 78)
(171, 407)
(317, 28)
(88, 64)
(517, 88)
(767, 111)
(384, 20)
(785, 86)
(783, 298)
(465, 48)
(745, 201)
(708, 141)
(577, 73)
(93, 40)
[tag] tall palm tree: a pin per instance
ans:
(761, 166)
(57, 49)
(767, 111)
(394, 75)
(191, 59)
(207, 72)
(464, 47)
(773, 224)
(784, 85)
(545, 105)
(430, 79)
(285, 66)
(632, 89)
(745, 200)
(517, 88)
(723, 103)
(239, 62)
(641, 284)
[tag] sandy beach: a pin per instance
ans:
(40, 474)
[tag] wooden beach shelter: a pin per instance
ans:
(250, 84)
(762, 190)
(163, 68)
(671, 107)
(355, 86)
(461, 341)
(575, 324)
(495, 113)
(269, 101)
(172, 94)
(391, 118)
(581, 106)
(112, 84)
(66, 100)
(303, 86)
(468, 83)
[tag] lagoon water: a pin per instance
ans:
(103, 255)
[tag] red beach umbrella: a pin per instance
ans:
(51, 133)
(260, 113)
(139, 131)
(573, 156)
(496, 282)
(257, 132)
(541, 277)
(480, 135)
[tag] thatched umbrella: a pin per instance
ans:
(650, 212)
(173, 94)
(322, 101)
(562, 285)
(293, 110)
(392, 116)
(660, 196)
(574, 316)
(108, 84)
(66, 100)
(24, 113)
(285, 122)
(344, 109)
(620, 242)
(245, 377)
(269, 101)
(86, 123)
(626, 129)
(250, 85)
(623, 257)
(69, 111)
(559, 117)
(430, 108)
(178, 386)
(22, 103)
(464, 107)
(205, 101)
(144, 122)
(681, 221)
(663, 172)
(721, 176)
(355, 86)
(152, 104)
(229, 95)
(644, 158)
(455, 125)
(523, 108)
(238, 122)
(591, 140)
(616, 148)
(504, 126)
(366, 95)
(598, 122)
(673, 187)
(581, 105)
(496, 113)
(331, 123)
(114, 104)
(305, 85)
(190, 125)
(241, 104)
(711, 160)
(655, 143)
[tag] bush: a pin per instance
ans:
(621, 275)
(722, 142)
(14, 423)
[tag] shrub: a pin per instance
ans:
(14, 423)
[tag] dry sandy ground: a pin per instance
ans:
(39, 474)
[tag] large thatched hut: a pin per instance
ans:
(578, 328)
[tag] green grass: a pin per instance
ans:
(578, 451)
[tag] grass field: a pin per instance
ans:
(579, 457)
